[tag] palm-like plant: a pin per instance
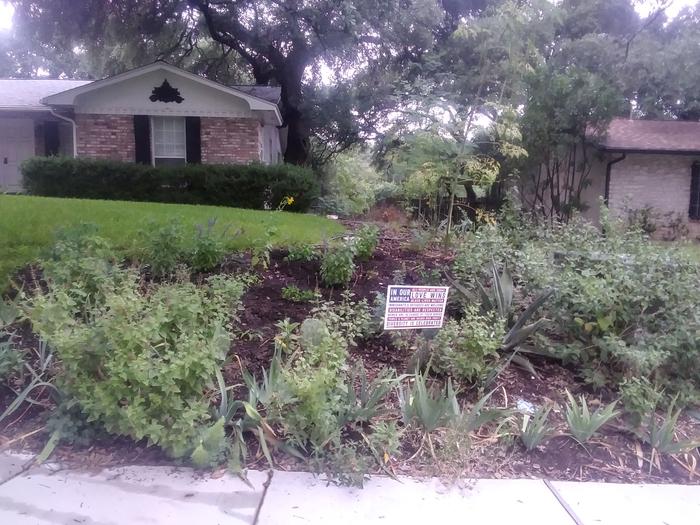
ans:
(582, 423)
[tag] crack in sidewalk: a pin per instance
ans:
(562, 502)
(266, 485)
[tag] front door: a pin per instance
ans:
(16, 145)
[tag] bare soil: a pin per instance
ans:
(615, 455)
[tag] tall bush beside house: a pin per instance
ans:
(255, 186)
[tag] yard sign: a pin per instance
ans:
(415, 307)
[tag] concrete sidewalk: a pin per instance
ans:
(173, 496)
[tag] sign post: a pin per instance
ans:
(415, 307)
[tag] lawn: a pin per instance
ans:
(28, 224)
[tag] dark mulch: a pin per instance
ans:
(616, 455)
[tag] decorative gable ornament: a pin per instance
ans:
(166, 93)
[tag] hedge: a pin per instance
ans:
(242, 186)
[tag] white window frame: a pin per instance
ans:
(153, 140)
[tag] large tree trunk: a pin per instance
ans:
(290, 79)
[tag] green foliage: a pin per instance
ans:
(427, 408)
(337, 264)
(312, 378)
(639, 399)
(165, 247)
(366, 240)
(582, 423)
(535, 430)
(301, 253)
(350, 185)
(624, 308)
(660, 433)
(365, 399)
(295, 294)
(11, 358)
(138, 361)
(255, 186)
(468, 349)
(351, 319)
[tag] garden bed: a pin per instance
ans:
(615, 454)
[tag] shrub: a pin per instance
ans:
(164, 247)
(11, 358)
(468, 348)
(366, 240)
(623, 308)
(139, 362)
(301, 252)
(243, 186)
(337, 264)
(297, 295)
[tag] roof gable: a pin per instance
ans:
(113, 90)
(653, 136)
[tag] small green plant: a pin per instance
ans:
(366, 240)
(162, 247)
(352, 319)
(260, 254)
(582, 423)
(639, 399)
(301, 253)
(660, 433)
(366, 400)
(296, 295)
(535, 430)
(11, 358)
(208, 249)
(468, 348)
(337, 264)
(427, 408)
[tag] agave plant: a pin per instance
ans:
(500, 300)
(582, 422)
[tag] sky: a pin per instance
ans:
(644, 7)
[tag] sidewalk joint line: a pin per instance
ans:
(266, 485)
(563, 502)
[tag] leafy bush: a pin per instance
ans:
(468, 348)
(295, 294)
(337, 264)
(348, 317)
(623, 308)
(164, 247)
(639, 399)
(139, 362)
(243, 186)
(301, 252)
(313, 379)
(11, 359)
(366, 240)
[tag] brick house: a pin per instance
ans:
(648, 164)
(157, 114)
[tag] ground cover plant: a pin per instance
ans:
(273, 365)
(29, 224)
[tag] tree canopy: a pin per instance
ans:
(350, 71)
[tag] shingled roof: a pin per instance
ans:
(651, 136)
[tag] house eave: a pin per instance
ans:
(605, 149)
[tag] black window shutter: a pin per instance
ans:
(694, 210)
(193, 128)
(51, 140)
(142, 139)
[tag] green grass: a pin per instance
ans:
(27, 224)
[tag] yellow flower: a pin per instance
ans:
(290, 201)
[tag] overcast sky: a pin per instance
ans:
(644, 7)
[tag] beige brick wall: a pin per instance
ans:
(230, 140)
(106, 137)
(659, 181)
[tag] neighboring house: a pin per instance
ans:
(157, 114)
(648, 164)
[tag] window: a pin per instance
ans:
(694, 210)
(169, 140)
